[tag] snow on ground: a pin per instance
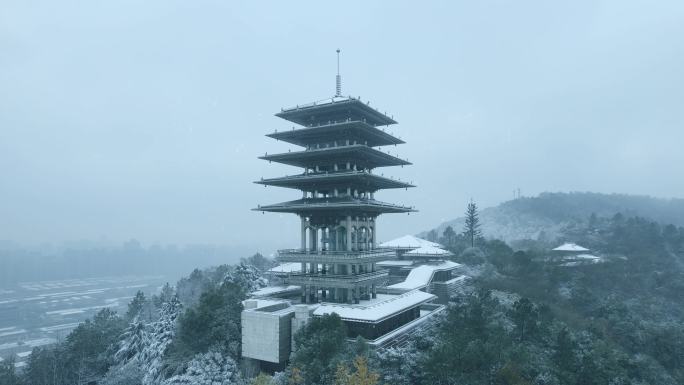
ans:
(12, 332)
(40, 342)
(60, 327)
(9, 345)
(505, 298)
(79, 310)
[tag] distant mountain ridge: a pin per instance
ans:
(547, 214)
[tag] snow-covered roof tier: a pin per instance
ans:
(586, 257)
(255, 304)
(582, 259)
(429, 251)
(290, 267)
(409, 242)
(420, 276)
(570, 247)
(376, 311)
(390, 263)
(273, 290)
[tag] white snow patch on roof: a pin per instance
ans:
(290, 267)
(270, 290)
(421, 275)
(570, 247)
(394, 263)
(261, 303)
(408, 242)
(429, 250)
(376, 311)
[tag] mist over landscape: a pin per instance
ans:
(532, 229)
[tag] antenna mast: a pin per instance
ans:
(338, 79)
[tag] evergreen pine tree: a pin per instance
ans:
(449, 236)
(136, 306)
(472, 224)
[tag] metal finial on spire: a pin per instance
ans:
(338, 78)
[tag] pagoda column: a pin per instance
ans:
(349, 233)
(312, 239)
(303, 243)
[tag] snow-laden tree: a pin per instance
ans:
(211, 368)
(133, 341)
(130, 373)
(246, 276)
(160, 337)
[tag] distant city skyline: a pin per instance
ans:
(127, 120)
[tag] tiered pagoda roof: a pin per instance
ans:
(335, 109)
(357, 130)
(338, 209)
(363, 155)
(326, 181)
(308, 206)
(339, 136)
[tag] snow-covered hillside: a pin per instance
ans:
(548, 214)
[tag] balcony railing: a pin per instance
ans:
(335, 252)
(336, 280)
(306, 255)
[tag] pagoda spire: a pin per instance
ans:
(338, 78)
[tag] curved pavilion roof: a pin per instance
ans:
(409, 242)
(570, 247)
(429, 251)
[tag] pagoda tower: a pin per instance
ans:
(338, 210)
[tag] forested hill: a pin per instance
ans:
(547, 215)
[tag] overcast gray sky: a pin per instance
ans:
(144, 119)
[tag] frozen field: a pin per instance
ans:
(34, 314)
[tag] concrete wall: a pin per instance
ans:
(266, 334)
